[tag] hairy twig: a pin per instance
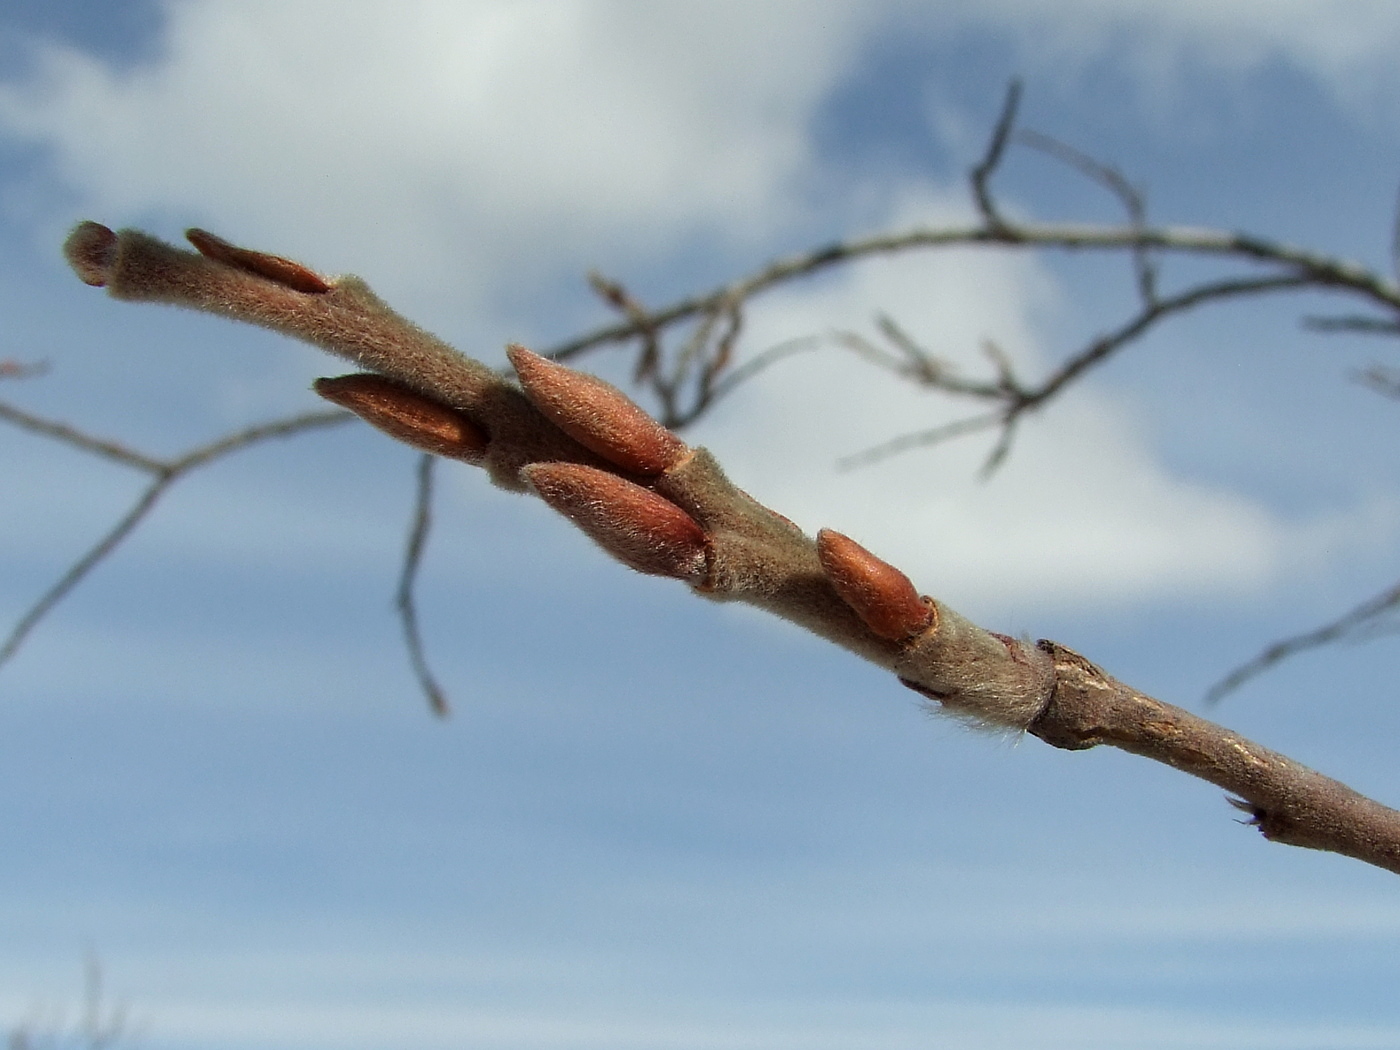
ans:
(666, 509)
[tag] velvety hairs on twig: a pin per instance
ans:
(665, 508)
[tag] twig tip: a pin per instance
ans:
(91, 249)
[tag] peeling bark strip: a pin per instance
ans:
(663, 508)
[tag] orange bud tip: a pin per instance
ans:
(880, 594)
(597, 415)
(91, 249)
(274, 267)
(407, 415)
(639, 528)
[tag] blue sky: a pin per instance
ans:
(654, 822)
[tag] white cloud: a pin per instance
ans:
(467, 148)
(476, 139)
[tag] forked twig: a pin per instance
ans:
(164, 473)
(1133, 200)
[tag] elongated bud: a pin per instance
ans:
(879, 593)
(274, 267)
(597, 415)
(91, 249)
(406, 415)
(636, 526)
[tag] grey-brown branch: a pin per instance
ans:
(664, 508)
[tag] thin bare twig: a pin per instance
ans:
(1359, 324)
(80, 439)
(1016, 399)
(1316, 270)
(164, 472)
(419, 527)
(1384, 381)
(981, 174)
(1353, 624)
(1133, 200)
(1106, 345)
(80, 568)
(762, 360)
(921, 439)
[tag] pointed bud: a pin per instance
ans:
(407, 415)
(645, 531)
(879, 593)
(597, 415)
(91, 249)
(274, 267)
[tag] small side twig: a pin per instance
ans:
(1384, 381)
(922, 439)
(165, 473)
(1356, 623)
(1134, 201)
(981, 174)
(1359, 324)
(84, 565)
(1015, 400)
(419, 527)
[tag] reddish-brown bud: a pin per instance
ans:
(274, 267)
(407, 415)
(91, 249)
(597, 415)
(636, 526)
(879, 593)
